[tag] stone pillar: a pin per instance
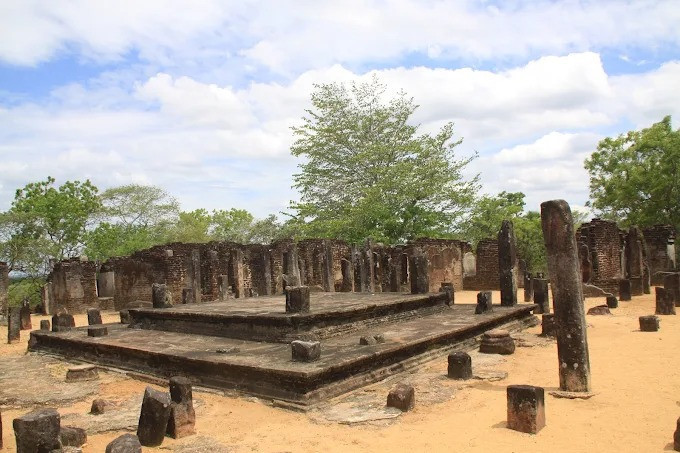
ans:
(450, 291)
(483, 302)
(634, 269)
(664, 302)
(646, 280)
(13, 324)
(237, 277)
(153, 418)
(182, 415)
(417, 268)
(25, 314)
(548, 325)
(347, 276)
(541, 295)
(507, 264)
(460, 365)
(188, 296)
(565, 277)
(161, 296)
(395, 275)
(368, 269)
(528, 287)
(267, 266)
(672, 284)
(4, 287)
(46, 296)
(297, 299)
(223, 287)
(526, 408)
(94, 316)
(625, 290)
(328, 280)
(196, 275)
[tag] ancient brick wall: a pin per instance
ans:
(74, 285)
(445, 258)
(660, 242)
(486, 276)
(4, 286)
(605, 244)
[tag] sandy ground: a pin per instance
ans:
(636, 377)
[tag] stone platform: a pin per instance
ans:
(416, 329)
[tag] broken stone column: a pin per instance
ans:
(161, 297)
(127, 443)
(45, 325)
(646, 280)
(223, 287)
(548, 328)
(25, 315)
(417, 267)
(13, 324)
(297, 299)
(497, 341)
(37, 431)
(671, 282)
(528, 287)
(347, 276)
(460, 365)
(676, 436)
(72, 436)
(305, 351)
(526, 408)
(94, 316)
(625, 290)
(402, 397)
(483, 302)
(507, 264)
(612, 301)
(649, 323)
(63, 322)
(97, 331)
(665, 304)
(153, 418)
(124, 316)
(450, 292)
(565, 277)
(541, 295)
(195, 276)
(182, 415)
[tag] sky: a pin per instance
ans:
(199, 97)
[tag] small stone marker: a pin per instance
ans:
(100, 406)
(665, 302)
(72, 437)
(403, 397)
(460, 365)
(676, 436)
(153, 418)
(420, 278)
(13, 324)
(63, 322)
(297, 299)
(483, 302)
(25, 314)
(97, 331)
(45, 325)
(548, 325)
(528, 287)
(649, 323)
(125, 317)
(161, 296)
(526, 408)
(82, 373)
(37, 431)
(450, 291)
(187, 296)
(127, 443)
(94, 316)
(367, 341)
(612, 301)
(305, 351)
(541, 296)
(625, 290)
(497, 341)
(599, 310)
(182, 415)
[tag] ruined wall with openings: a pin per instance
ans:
(74, 285)
(660, 242)
(486, 275)
(604, 244)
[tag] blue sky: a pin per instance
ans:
(199, 97)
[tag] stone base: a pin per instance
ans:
(497, 342)
(402, 397)
(82, 373)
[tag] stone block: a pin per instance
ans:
(101, 406)
(94, 316)
(297, 299)
(45, 325)
(63, 322)
(665, 302)
(403, 397)
(180, 390)
(625, 290)
(612, 301)
(450, 291)
(497, 341)
(127, 443)
(125, 317)
(182, 415)
(305, 351)
(483, 302)
(25, 315)
(37, 431)
(82, 373)
(548, 325)
(599, 310)
(97, 331)
(161, 297)
(649, 323)
(460, 365)
(526, 408)
(380, 338)
(541, 296)
(13, 324)
(72, 437)
(367, 340)
(153, 418)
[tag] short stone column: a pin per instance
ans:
(127, 443)
(97, 331)
(507, 264)
(305, 351)
(548, 328)
(541, 296)
(13, 324)
(676, 436)
(612, 301)
(526, 408)
(223, 287)
(161, 296)
(420, 279)
(565, 278)
(671, 282)
(37, 431)
(94, 316)
(497, 341)
(483, 302)
(625, 290)
(25, 315)
(63, 322)
(402, 397)
(182, 415)
(460, 365)
(665, 303)
(153, 418)
(347, 285)
(450, 293)
(528, 287)
(649, 323)
(124, 316)
(45, 325)
(297, 299)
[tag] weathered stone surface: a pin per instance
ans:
(153, 418)
(82, 373)
(94, 316)
(127, 443)
(380, 338)
(25, 315)
(449, 290)
(161, 297)
(62, 322)
(599, 310)
(223, 288)
(305, 351)
(526, 408)
(548, 328)
(71, 436)
(13, 324)
(665, 302)
(402, 397)
(182, 415)
(497, 341)
(483, 302)
(37, 431)
(97, 331)
(418, 272)
(187, 296)
(507, 264)
(612, 301)
(649, 323)
(45, 325)
(101, 406)
(125, 317)
(625, 290)
(565, 278)
(0, 429)
(671, 282)
(460, 365)
(347, 276)
(367, 341)
(541, 296)
(676, 436)
(528, 287)
(297, 299)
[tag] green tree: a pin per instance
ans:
(487, 214)
(529, 239)
(233, 225)
(138, 205)
(369, 173)
(635, 177)
(192, 226)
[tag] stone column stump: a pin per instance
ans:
(420, 280)
(153, 418)
(526, 408)
(161, 296)
(94, 316)
(182, 415)
(305, 351)
(625, 290)
(671, 282)
(37, 431)
(528, 287)
(548, 328)
(125, 317)
(612, 301)
(62, 322)
(127, 443)
(297, 299)
(541, 296)
(665, 302)
(45, 325)
(97, 331)
(649, 323)
(497, 341)
(13, 324)
(460, 365)
(449, 290)
(25, 315)
(402, 397)
(483, 302)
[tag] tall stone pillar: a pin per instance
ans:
(507, 264)
(528, 287)
(565, 277)
(368, 268)
(347, 276)
(417, 269)
(328, 277)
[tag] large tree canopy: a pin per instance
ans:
(635, 177)
(369, 173)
